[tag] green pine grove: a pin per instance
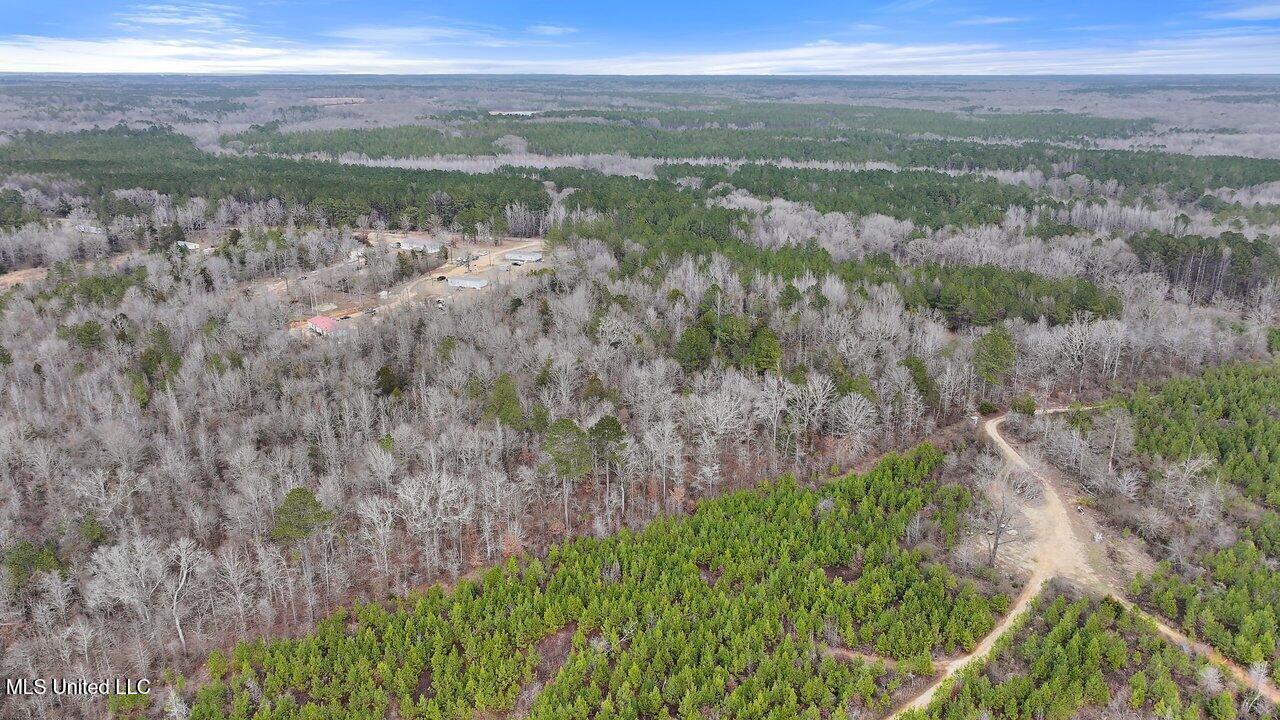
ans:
(1232, 414)
(725, 610)
(1228, 413)
(1071, 654)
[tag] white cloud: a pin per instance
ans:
(449, 33)
(1260, 11)
(552, 30)
(134, 55)
(424, 34)
(1256, 51)
(193, 17)
(991, 21)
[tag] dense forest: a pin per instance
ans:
(458, 397)
(478, 137)
(12, 211)
(667, 222)
(120, 159)
(1229, 263)
(906, 121)
(929, 199)
(1187, 176)
(722, 610)
(1201, 446)
(1227, 415)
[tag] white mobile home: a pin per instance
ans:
(524, 256)
(430, 246)
(472, 283)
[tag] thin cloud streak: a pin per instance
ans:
(991, 21)
(441, 34)
(551, 30)
(1262, 11)
(133, 55)
(194, 18)
(447, 34)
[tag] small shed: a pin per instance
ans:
(190, 246)
(473, 283)
(323, 325)
(525, 256)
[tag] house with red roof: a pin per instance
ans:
(323, 325)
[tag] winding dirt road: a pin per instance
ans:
(1057, 551)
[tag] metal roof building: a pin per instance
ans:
(420, 244)
(525, 255)
(473, 283)
(323, 325)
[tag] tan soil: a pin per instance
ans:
(1061, 546)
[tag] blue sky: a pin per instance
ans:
(642, 37)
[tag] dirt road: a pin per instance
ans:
(427, 285)
(1056, 550)
(423, 285)
(1020, 606)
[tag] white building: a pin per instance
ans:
(524, 256)
(193, 247)
(472, 283)
(430, 246)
